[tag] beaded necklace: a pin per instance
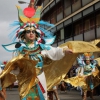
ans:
(30, 44)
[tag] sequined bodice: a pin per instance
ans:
(87, 69)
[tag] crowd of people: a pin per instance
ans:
(30, 53)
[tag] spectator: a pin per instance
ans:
(53, 91)
(63, 86)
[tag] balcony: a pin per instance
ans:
(76, 5)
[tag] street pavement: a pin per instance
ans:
(69, 95)
(12, 94)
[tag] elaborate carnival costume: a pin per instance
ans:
(87, 74)
(88, 66)
(28, 60)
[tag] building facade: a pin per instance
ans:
(73, 19)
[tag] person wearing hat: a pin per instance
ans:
(30, 51)
(88, 67)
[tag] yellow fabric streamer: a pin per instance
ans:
(80, 80)
(26, 76)
(54, 70)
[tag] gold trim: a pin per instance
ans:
(30, 28)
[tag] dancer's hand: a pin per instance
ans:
(80, 76)
(67, 50)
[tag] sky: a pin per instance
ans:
(8, 14)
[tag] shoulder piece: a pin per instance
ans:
(14, 46)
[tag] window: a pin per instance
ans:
(92, 23)
(53, 21)
(74, 1)
(59, 10)
(77, 29)
(46, 2)
(87, 25)
(81, 28)
(53, 17)
(55, 38)
(62, 34)
(67, 3)
(58, 36)
(98, 20)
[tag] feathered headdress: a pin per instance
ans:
(88, 56)
(85, 56)
(30, 17)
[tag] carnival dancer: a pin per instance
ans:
(33, 46)
(88, 67)
(87, 75)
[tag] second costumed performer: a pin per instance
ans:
(87, 75)
(33, 46)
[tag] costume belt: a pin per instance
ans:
(39, 70)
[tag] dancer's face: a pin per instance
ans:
(87, 62)
(30, 35)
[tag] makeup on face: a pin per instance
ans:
(29, 31)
